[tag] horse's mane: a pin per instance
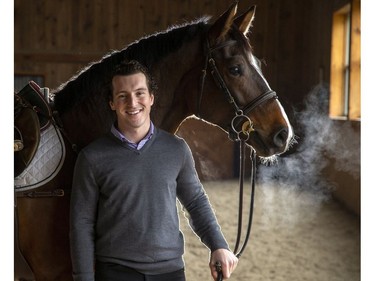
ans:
(94, 79)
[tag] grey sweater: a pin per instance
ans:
(123, 206)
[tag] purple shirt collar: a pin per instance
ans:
(131, 144)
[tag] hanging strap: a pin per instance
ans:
(238, 250)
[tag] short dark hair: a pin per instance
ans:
(133, 67)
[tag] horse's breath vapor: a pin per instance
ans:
(322, 142)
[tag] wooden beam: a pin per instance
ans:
(57, 57)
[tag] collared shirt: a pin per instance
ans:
(131, 144)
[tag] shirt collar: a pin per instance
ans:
(138, 145)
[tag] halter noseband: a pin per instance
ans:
(240, 113)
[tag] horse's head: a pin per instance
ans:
(248, 106)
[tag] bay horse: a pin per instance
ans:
(202, 69)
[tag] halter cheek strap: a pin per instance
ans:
(241, 135)
(209, 60)
(240, 114)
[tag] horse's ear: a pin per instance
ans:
(222, 25)
(245, 20)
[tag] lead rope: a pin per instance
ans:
(237, 252)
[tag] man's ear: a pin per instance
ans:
(111, 105)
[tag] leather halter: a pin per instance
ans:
(240, 113)
(237, 135)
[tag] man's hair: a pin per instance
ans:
(133, 67)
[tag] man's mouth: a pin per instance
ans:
(133, 112)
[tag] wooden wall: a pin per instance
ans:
(57, 38)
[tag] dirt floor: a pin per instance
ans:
(294, 237)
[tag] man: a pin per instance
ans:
(124, 218)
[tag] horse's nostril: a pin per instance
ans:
(280, 138)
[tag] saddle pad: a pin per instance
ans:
(46, 163)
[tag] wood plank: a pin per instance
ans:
(355, 62)
(337, 66)
(57, 57)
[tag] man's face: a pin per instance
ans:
(132, 101)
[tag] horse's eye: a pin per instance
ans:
(235, 70)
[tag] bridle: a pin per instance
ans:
(240, 113)
(242, 135)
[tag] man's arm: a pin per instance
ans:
(202, 218)
(83, 206)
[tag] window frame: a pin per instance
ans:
(345, 91)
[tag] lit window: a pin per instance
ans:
(345, 86)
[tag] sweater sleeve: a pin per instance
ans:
(195, 201)
(83, 206)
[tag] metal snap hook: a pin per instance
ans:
(246, 128)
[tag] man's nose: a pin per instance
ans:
(132, 100)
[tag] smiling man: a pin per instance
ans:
(124, 218)
(132, 103)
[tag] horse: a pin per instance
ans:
(40, 201)
(203, 69)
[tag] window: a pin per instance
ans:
(345, 86)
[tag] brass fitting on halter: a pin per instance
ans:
(246, 128)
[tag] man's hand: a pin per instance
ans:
(227, 260)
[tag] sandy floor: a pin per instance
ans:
(294, 237)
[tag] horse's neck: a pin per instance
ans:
(178, 82)
(173, 74)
